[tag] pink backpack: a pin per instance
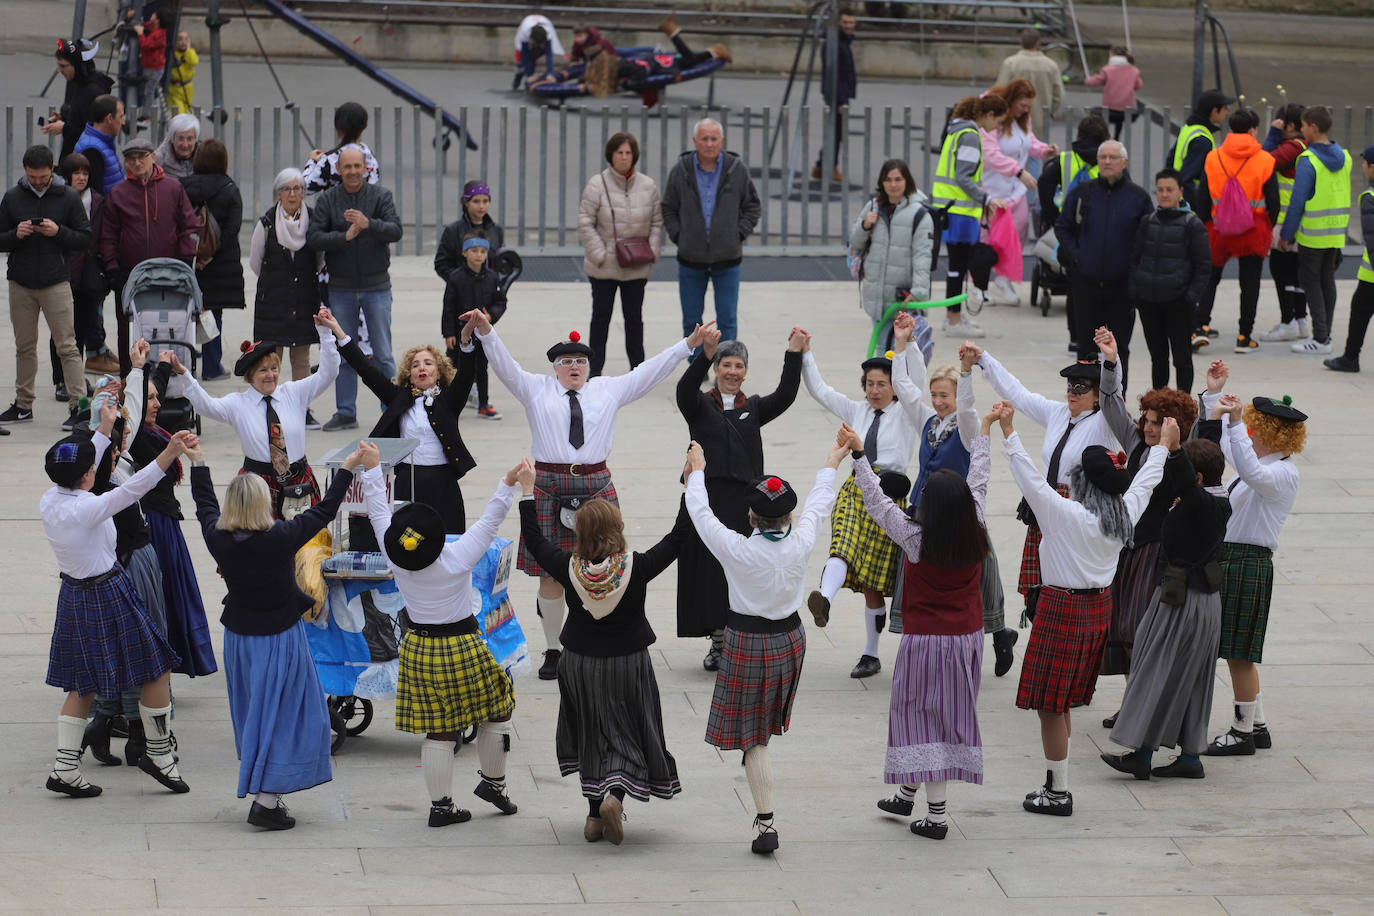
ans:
(1234, 215)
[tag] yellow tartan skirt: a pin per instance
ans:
(448, 684)
(872, 556)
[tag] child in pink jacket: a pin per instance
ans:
(1119, 81)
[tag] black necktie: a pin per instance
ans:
(1052, 473)
(871, 438)
(276, 441)
(575, 436)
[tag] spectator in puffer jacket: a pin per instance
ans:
(896, 232)
(97, 143)
(1171, 267)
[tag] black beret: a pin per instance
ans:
(1089, 369)
(896, 486)
(771, 497)
(1105, 470)
(1282, 408)
(252, 352)
(883, 362)
(573, 346)
(69, 460)
(415, 537)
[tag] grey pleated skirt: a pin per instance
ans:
(1168, 697)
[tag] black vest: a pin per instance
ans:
(288, 290)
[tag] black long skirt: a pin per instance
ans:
(436, 486)
(702, 598)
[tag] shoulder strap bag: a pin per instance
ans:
(634, 250)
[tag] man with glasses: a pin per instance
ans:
(1096, 228)
(572, 424)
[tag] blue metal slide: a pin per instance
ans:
(351, 57)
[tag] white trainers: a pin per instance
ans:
(965, 327)
(1003, 293)
(976, 299)
(1280, 332)
(1310, 345)
(1304, 329)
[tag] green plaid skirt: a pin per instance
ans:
(1247, 584)
(873, 557)
(448, 684)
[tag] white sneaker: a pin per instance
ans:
(1280, 332)
(1310, 345)
(1304, 329)
(965, 327)
(976, 299)
(1003, 293)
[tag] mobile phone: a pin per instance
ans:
(35, 223)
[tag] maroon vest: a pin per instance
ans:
(941, 601)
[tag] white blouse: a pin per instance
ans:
(415, 425)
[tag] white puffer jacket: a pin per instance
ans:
(899, 256)
(637, 212)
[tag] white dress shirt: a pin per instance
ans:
(896, 433)
(415, 425)
(1075, 553)
(547, 405)
(1265, 493)
(764, 578)
(909, 381)
(246, 410)
(442, 591)
(80, 525)
(1090, 428)
(522, 33)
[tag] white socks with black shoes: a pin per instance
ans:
(874, 619)
(66, 777)
(832, 577)
(162, 764)
(1054, 796)
(551, 611)
(493, 743)
(436, 761)
(759, 771)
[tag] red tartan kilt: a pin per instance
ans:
(548, 487)
(1064, 654)
(274, 487)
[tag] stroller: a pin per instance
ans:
(162, 300)
(1048, 277)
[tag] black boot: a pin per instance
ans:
(97, 738)
(135, 744)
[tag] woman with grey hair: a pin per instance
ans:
(176, 149)
(287, 268)
(728, 424)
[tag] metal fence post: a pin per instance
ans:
(767, 177)
(562, 176)
(419, 168)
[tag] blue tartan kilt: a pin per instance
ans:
(104, 640)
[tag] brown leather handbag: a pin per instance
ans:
(634, 250)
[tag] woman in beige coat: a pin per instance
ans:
(618, 204)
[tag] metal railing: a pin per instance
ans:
(537, 160)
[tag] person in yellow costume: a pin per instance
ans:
(182, 91)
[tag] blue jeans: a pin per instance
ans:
(691, 291)
(212, 353)
(375, 306)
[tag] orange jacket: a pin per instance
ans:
(1239, 157)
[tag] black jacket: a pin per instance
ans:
(734, 438)
(448, 257)
(1192, 531)
(846, 82)
(1097, 225)
(288, 292)
(732, 221)
(465, 291)
(1170, 257)
(365, 262)
(76, 108)
(259, 567)
(221, 281)
(37, 262)
(1150, 525)
(145, 446)
(443, 413)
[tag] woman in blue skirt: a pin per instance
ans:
(281, 721)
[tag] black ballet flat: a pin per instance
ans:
(896, 805)
(1180, 770)
(1110, 721)
(1127, 763)
(928, 830)
(270, 818)
(766, 843)
(97, 738)
(65, 788)
(175, 783)
(1263, 740)
(445, 813)
(1243, 745)
(489, 793)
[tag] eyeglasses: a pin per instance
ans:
(568, 362)
(1080, 387)
(293, 189)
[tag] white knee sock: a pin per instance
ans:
(935, 802)
(873, 629)
(492, 741)
(157, 726)
(67, 766)
(1258, 718)
(759, 772)
(551, 619)
(268, 799)
(907, 791)
(832, 577)
(436, 759)
(1059, 774)
(1244, 719)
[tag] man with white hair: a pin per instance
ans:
(1096, 227)
(710, 207)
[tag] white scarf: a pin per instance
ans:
(291, 232)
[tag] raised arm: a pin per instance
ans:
(551, 560)
(898, 526)
(658, 557)
(207, 505)
(1029, 480)
(1114, 408)
(376, 380)
(979, 473)
(376, 503)
(908, 380)
(848, 411)
(721, 541)
(1137, 495)
(205, 403)
(1035, 406)
(470, 546)
(967, 410)
(774, 405)
(688, 393)
(1264, 479)
(88, 513)
(522, 384)
(640, 380)
(817, 508)
(318, 382)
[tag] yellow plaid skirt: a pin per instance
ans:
(449, 683)
(873, 557)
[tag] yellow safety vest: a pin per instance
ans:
(1070, 163)
(945, 190)
(1286, 190)
(1328, 211)
(1366, 272)
(1186, 136)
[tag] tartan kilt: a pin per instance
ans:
(548, 487)
(274, 486)
(1059, 670)
(872, 557)
(449, 683)
(755, 686)
(1028, 577)
(104, 640)
(1247, 586)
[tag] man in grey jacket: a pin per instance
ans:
(353, 223)
(710, 207)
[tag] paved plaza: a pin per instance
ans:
(1285, 831)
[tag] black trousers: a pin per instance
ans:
(1117, 119)
(1283, 267)
(1168, 329)
(1361, 309)
(1317, 270)
(958, 254)
(837, 117)
(1251, 272)
(1103, 302)
(631, 308)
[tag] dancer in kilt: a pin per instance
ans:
(572, 427)
(1083, 537)
(269, 418)
(448, 680)
(281, 719)
(932, 730)
(1070, 427)
(1260, 440)
(729, 425)
(610, 724)
(1169, 696)
(103, 639)
(761, 659)
(862, 558)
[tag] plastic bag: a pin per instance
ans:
(308, 574)
(1002, 236)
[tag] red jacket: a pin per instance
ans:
(145, 219)
(152, 50)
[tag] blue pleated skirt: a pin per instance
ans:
(281, 721)
(187, 631)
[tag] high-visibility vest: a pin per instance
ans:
(944, 189)
(1070, 164)
(1328, 211)
(1366, 272)
(1285, 189)
(1186, 136)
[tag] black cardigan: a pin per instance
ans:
(733, 439)
(623, 631)
(1147, 529)
(1193, 530)
(146, 447)
(443, 413)
(259, 567)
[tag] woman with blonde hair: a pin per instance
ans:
(423, 403)
(281, 720)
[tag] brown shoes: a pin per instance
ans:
(592, 831)
(669, 25)
(719, 51)
(612, 819)
(103, 363)
(837, 176)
